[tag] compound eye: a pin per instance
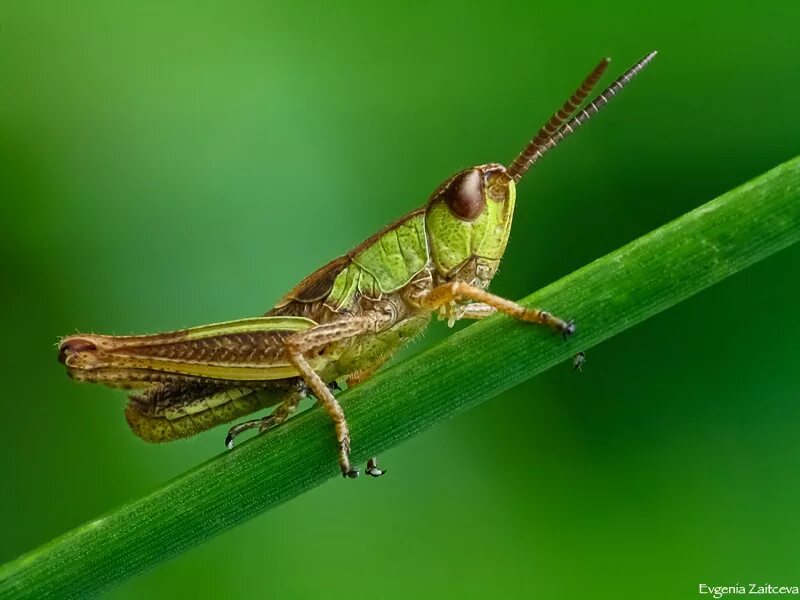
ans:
(464, 195)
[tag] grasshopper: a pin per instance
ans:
(345, 320)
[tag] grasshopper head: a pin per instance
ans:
(470, 216)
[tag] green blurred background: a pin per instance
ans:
(169, 164)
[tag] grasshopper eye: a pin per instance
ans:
(464, 195)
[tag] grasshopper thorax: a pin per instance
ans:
(469, 216)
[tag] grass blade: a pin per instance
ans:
(605, 297)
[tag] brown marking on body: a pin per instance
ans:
(316, 286)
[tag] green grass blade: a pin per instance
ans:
(607, 296)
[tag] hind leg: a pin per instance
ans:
(355, 379)
(303, 342)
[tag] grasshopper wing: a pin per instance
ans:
(242, 350)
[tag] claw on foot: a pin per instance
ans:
(569, 329)
(349, 473)
(372, 468)
(233, 432)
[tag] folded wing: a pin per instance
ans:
(243, 350)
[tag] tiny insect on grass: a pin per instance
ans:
(345, 320)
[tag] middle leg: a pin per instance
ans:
(278, 416)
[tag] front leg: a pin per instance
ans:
(473, 310)
(478, 310)
(318, 337)
(458, 290)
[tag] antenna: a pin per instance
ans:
(577, 98)
(547, 139)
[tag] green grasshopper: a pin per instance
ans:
(345, 320)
